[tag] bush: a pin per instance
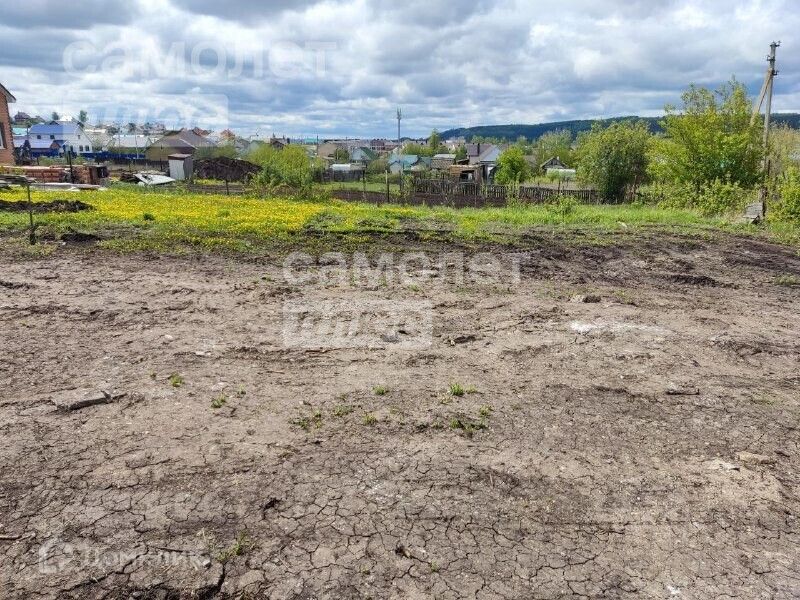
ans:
(512, 167)
(562, 206)
(290, 167)
(613, 158)
(787, 207)
(714, 198)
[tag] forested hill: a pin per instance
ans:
(531, 132)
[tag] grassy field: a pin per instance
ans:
(360, 186)
(127, 218)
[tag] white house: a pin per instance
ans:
(52, 138)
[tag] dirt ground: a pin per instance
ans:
(628, 427)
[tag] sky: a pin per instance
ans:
(342, 68)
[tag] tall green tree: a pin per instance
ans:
(341, 155)
(435, 141)
(614, 157)
(554, 143)
(512, 166)
(289, 166)
(418, 149)
(710, 138)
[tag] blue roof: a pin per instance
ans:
(407, 159)
(56, 128)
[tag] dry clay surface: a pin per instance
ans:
(628, 428)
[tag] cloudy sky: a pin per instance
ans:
(342, 67)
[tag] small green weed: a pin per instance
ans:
(380, 390)
(305, 423)
(239, 547)
(787, 280)
(456, 389)
(219, 401)
(342, 410)
(467, 426)
(370, 419)
(176, 380)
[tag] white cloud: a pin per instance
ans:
(343, 67)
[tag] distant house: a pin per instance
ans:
(554, 166)
(474, 150)
(129, 143)
(486, 160)
(184, 141)
(6, 133)
(402, 163)
(442, 162)
(56, 137)
(553, 163)
(455, 143)
(423, 164)
(278, 143)
(22, 117)
(347, 168)
(466, 173)
(326, 150)
(363, 155)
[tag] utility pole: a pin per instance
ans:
(765, 94)
(400, 149)
(771, 73)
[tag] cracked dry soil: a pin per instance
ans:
(641, 446)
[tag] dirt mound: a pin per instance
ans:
(226, 169)
(42, 207)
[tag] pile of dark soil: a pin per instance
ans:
(225, 169)
(43, 207)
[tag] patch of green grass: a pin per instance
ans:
(380, 390)
(456, 389)
(305, 422)
(485, 411)
(148, 216)
(239, 547)
(466, 425)
(763, 400)
(219, 401)
(787, 280)
(176, 380)
(434, 567)
(369, 419)
(183, 221)
(342, 410)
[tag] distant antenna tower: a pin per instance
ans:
(399, 118)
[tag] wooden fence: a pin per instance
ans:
(432, 192)
(490, 194)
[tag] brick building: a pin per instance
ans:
(6, 133)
